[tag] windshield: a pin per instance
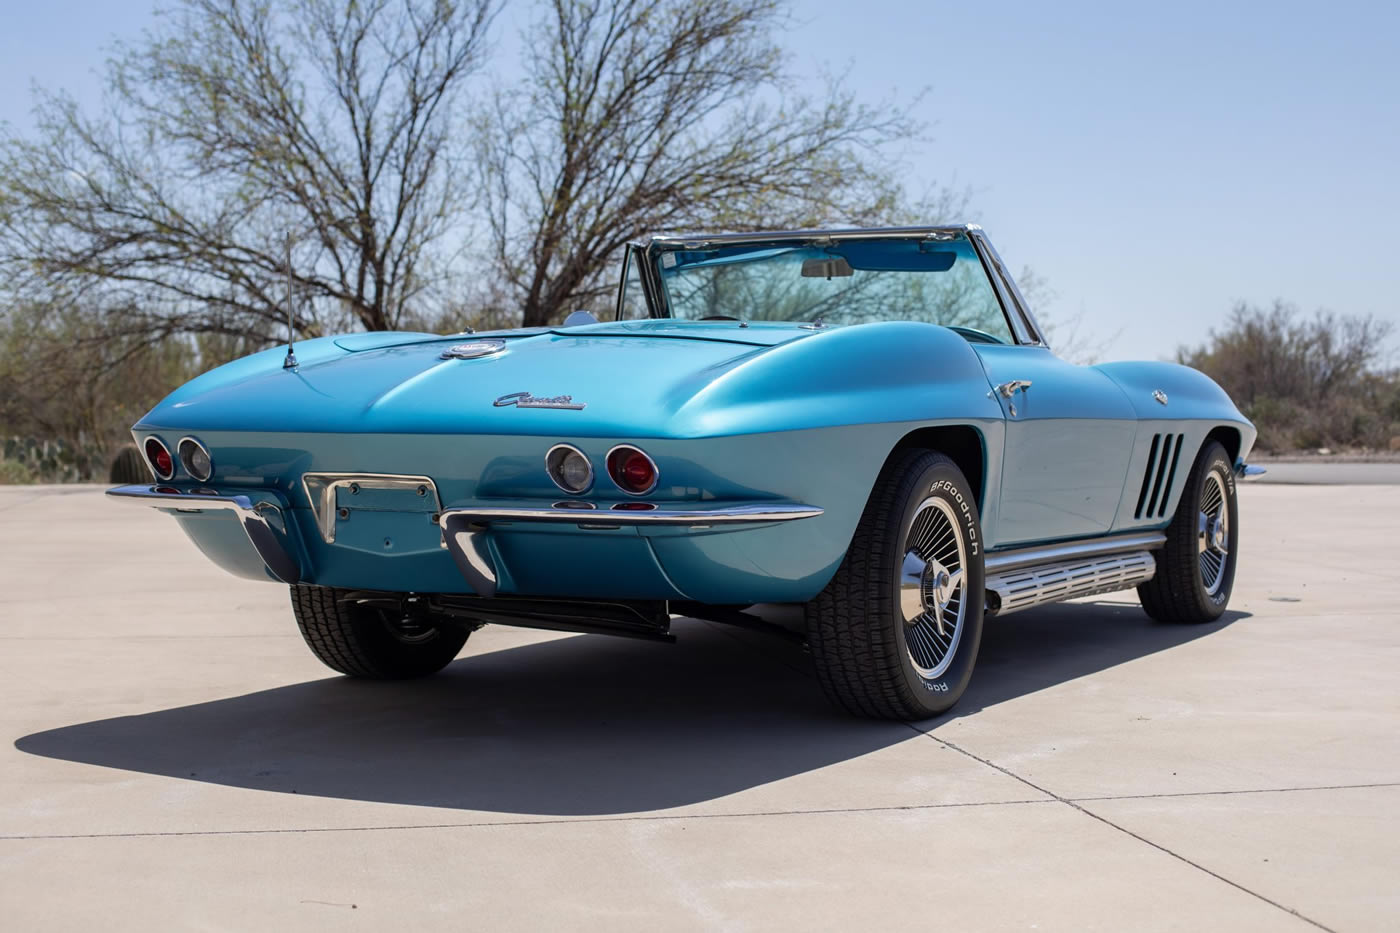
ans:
(854, 281)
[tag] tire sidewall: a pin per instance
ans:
(1215, 459)
(945, 481)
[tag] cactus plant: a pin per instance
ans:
(128, 466)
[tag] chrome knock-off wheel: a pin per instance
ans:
(931, 587)
(1213, 533)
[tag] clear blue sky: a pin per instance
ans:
(1157, 162)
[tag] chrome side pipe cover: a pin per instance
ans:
(1072, 579)
(1050, 573)
(251, 515)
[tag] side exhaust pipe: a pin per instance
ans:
(1053, 573)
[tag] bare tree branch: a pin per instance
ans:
(646, 115)
(233, 123)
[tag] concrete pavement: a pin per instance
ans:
(173, 757)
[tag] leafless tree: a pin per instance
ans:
(230, 124)
(639, 116)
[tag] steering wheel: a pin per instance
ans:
(718, 317)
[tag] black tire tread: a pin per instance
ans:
(348, 644)
(858, 665)
(1172, 595)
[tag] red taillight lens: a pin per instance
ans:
(632, 470)
(159, 459)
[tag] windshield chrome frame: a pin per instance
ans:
(1024, 327)
(1014, 304)
(652, 291)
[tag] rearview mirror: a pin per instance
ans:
(829, 267)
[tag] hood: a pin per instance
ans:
(627, 378)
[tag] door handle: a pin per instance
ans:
(1008, 389)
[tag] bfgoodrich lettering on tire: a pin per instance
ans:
(895, 633)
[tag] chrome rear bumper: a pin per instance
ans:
(252, 515)
(464, 530)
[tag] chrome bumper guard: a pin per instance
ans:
(250, 514)
(1246, 471)
(463, 530)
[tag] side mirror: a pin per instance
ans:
(579, 318)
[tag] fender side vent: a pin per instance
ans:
(1148, 474)
(1171, 476)
(1161, 473)
(1159, 476)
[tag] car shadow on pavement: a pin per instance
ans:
(584, 725)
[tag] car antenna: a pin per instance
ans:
(291, 361)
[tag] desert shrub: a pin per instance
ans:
(71, 386)
(1306, 382)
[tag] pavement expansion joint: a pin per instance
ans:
(492, 824)
(1226, 793)
(1076, 803)
(1070, 802)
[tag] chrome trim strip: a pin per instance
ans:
(198, 443)
(1002, 561)
(250, 515)
(730, 515)
(463, 530)
(690, 240)
(323, 499)
(655, 470)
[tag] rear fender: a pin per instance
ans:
(871, 373)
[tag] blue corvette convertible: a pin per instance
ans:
(865, 422)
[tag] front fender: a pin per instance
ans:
(1190, 395)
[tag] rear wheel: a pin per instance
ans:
(368, 641)
(895, 633)
(1196, 567)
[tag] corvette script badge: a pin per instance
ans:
(526, 400)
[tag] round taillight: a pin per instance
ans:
(162, 464)
(632, 470)
(195, 459)
(569, 469)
